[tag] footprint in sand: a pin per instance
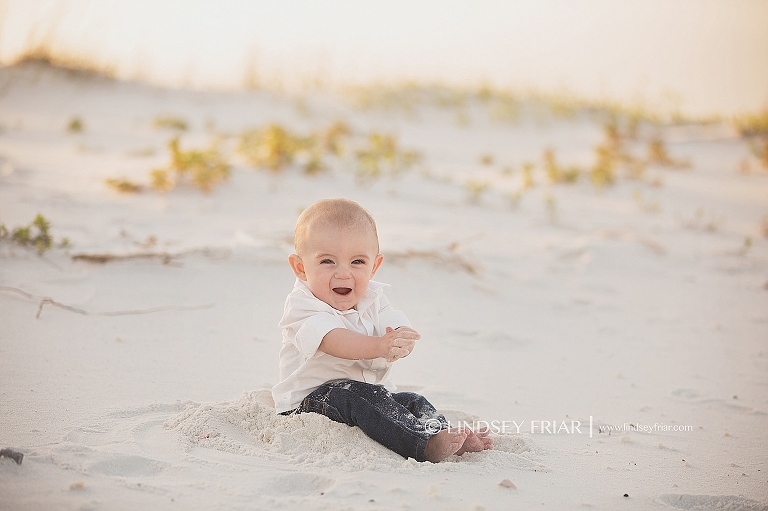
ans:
(125, 466)
(299, 484)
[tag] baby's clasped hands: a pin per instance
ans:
(396, 344)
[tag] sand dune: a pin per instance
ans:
(638, 310)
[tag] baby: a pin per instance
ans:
(341, 337)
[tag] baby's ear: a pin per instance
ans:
(376, 264)
(297, 266)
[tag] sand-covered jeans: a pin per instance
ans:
(401, 421)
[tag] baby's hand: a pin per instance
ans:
(399, 343)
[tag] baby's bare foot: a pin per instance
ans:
(476, 442)
(443, 444)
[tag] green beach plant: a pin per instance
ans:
(557, 174)
(75, 125)
(315, 164)
(272, 147)
(144, 152)
(382, 155)
(170, 122)
(123, 185)
(36, 235)
(505, 104)
(658, 155)
(332, 139)
(608, 155)
(751, 125)
(203, 169)
(760, 150)
(476, 189)
(379, 155)
(527, 168)
(275, 147)
(604, 170)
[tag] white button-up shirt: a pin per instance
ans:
(307, 320)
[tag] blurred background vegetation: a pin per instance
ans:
(692, 58)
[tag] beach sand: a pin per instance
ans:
(615, 338)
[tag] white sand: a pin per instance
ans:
(634, 304)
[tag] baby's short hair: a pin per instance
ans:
(336, 212)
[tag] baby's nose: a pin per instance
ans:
(343, 272)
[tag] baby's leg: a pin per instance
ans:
(424, 410)
(373, 410)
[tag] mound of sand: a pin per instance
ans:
(249, 426)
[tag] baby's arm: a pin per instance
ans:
(394, 344)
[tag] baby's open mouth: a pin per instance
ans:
(342, 290)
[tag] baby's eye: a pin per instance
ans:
(326, 261)
(358, 261)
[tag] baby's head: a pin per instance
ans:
(337, 251)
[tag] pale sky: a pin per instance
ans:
(704, 56)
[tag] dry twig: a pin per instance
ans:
(166, 257)
(45, 300)
(448, 256)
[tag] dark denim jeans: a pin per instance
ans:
(403, 421)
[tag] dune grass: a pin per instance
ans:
(123, 185)
(382, 155)
(613, 158)
(760, 150)
(43, 54)
(75, 125)
(203, 169)
(607, 156)
(276, 148)
(658, 155)
(558, 174)
(476, 188)
(34, 235)
(273, 147)
(527, 169)
(170, 122)
(752, 125)
(503, 104)
(508, 105)
(486, 159)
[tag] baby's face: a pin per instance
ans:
(337, 263)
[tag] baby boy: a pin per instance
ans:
(341, 337)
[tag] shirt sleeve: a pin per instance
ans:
(305, 325)
(312, 330)
(389, 316)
